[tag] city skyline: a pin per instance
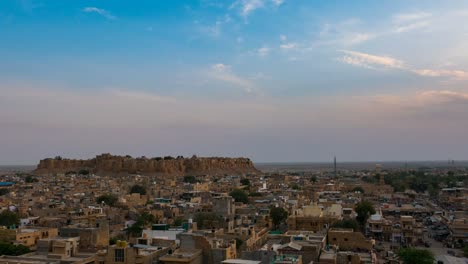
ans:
(272, 80)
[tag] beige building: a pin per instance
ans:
(183, 256)
(315, 217)
(30, 236)
(123, 253)
(347, 239)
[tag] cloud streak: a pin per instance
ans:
(99, 11)
(376, 61)
(224, 73)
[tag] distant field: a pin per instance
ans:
(10, 168)
(306, 166)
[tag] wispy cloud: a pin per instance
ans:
(289, 46)
(278, 2)
(224, 73)
(263, 51)
(375, 61)
(455, 74)
(99, 11)
(369, 60)
(409, 17)
(412, 26)
(216, 29)
(246, 7)
(406, 22)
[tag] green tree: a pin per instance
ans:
(465, 251)
(30, 179)
(9, 218)
(351, 223)
(413, 255)
(4, 191)
(138, 189)
(245, 181)
(13, 250)
(178, 221)
(239, 243)
(358, 189)
(190, 179)
(136, 229)
(364, 209)
(295, 186)
(108, 198)
(313, 179)
(146, 218)
(83, 172)
(240, 196)
(278, 215)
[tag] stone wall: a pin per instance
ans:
(110, 164)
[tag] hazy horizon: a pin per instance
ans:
(271, 80)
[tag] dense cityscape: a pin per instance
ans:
(100, 211)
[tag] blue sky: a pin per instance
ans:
(275, 80)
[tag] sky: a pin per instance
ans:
(272, 80)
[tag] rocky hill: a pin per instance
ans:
(110, 164)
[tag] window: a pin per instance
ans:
(334, 239)
(345, 239)
(119, 255)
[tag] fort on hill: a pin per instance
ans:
(110, 164)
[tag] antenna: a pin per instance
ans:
(334, 166)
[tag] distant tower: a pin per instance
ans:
(378, 171)
(334, 166)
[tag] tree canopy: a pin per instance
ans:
(9, 218)
(347, 224)
(358, 189)
(278, 215)
(138, 189)
(190, 179)
(413, 255)
(13, 250)
(108, 198)
(245, 181)
(364, 209)
(240, 196)
(30, 179)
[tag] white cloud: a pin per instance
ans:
(214, 30)
(368, 60)
(283, 38)
(409, 17)
(263, 51)
(412, 26)
(406, 22)
(455, 74)
(288, 46)
(224, 73)
(278, 2)
(373, 61)
(359, 38)
(99, 11)
(246, 7)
